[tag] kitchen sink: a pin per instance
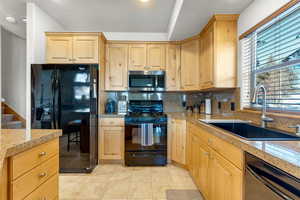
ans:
(251, 132)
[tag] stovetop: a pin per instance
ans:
(146, 118)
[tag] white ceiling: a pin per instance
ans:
(194, 14)
(16, 9)
(157, 16)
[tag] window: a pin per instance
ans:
(271, 56)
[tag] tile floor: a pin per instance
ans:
(129, 183)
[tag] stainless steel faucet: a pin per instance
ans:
(297, 127)
(264, 118)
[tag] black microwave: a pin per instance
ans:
(146, 80)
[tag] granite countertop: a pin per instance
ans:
(111, 115)
(14, 141)
(282, 154)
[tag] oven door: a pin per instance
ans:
(146, 80)
(145, 137)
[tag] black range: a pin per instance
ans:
(145, 134)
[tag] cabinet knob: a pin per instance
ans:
(206, 153)
(42, 175)
(42, 154)
(210, 141)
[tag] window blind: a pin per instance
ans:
(271, 56)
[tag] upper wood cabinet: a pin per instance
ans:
(85, 49)
(218, 53)
(144, 56)
(72, 48)
(116, 67)
(190, 65)
(207, 59)
(59, 49)
(173, 67)
(156, 56)
(137, 56)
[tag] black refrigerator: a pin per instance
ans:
(64, 96)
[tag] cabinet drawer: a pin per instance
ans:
(27, 183)
(230, 152)
(27, 160)
(49, 190)
(112, 122)
(227, 150)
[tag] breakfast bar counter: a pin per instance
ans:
(29, 157)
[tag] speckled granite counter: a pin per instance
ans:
(104, 115)
(282, 154)
(14, 141)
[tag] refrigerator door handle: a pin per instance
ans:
(94, 88)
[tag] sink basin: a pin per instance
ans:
(254, 133)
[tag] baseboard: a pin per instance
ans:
(17, 117)
(111, 161)
(179, 165)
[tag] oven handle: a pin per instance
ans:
(268, 184)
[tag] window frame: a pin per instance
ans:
(263, 25)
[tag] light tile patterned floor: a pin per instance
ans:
(117, 182)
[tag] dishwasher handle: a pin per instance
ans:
(268, 184)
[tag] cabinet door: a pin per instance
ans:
(137, 56)
(190, 65)
(156, 56)
(59, 49)
(195, 161)
(179, 141)
(204, 154)
(116, 67)
(207, 59)
(85, 49)
(112, 143)
(173, 67)
(226, 179)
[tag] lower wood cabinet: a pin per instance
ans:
(225, 179)
(178, 140)
(32, 174)
(111, 144)
(216, 177)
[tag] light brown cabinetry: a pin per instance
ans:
(206, 59)
(59, 49)
(218, 53)
(85, 49)
(116, 67)
(190, 65)
(137, 56)
(173, 67)
(72, 48)
(144, 56)
(178, 140)
(156, 56)
(111, 139)
(226, 179)
(33, 174)
(217, 173)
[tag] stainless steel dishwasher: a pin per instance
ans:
(267, 182)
